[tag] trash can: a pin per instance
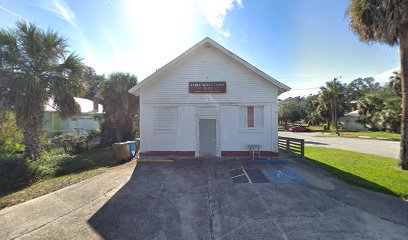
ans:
(125, 151)
(133, 149)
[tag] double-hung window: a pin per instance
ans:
(251, 117)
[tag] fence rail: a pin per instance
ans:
(294, 145)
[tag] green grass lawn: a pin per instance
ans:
(21, 180)
(368, 171)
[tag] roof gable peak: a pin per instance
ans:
(207, 40)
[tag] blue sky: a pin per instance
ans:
(300, 43)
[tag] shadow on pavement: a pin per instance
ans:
(156, 203)
(315, 143)
(122, 217)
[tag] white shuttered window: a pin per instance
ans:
(165, 118)
(251, 117)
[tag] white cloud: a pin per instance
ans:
(215, 12)
(116, 50)
(384, 77)
(226, 33)
(13, 13)
(61, 9)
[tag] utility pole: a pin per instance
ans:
(335, 106)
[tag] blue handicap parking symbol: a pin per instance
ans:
(283, 176)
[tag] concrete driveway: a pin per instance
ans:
(383, 148)
(198, 199)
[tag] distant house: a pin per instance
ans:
(349, 121)
(208, 102)
(80, 123)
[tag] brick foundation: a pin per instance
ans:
(169, 153)
(246, 154)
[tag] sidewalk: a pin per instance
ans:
(18, 221)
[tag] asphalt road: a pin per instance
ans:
(371, 146)
(198, 199)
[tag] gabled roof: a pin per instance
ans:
(282, 87)
(87, 106)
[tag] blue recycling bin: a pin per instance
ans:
(133, 148)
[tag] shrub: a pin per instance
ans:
(93, 137)
(49, 162)
(11, 138)
(71, 143)
(76, 143)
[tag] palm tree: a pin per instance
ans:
(329, 99)
(370, 106)
(35, 66)
(121, 108)
(324, 105)
(333, 92)
(386, 21)
(395, 83)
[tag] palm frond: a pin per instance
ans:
(378, 20)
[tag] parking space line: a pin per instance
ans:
(249, 180)
(238, 176)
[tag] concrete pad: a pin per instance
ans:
(196, 199)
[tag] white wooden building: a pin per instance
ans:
(208, 102)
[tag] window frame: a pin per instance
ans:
(165, 130)
(255, 128)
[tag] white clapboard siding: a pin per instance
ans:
(209, 64)
(169, 114)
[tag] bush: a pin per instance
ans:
(11, 138)
(49, 163)
(70, 143)
(75, 143)
(15, 173)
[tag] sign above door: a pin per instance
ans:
(207, 87)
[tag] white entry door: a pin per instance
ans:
(207, 137)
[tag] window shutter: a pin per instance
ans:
(165, 118)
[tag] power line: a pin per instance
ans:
(305, 88)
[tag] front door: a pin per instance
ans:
(208, 140)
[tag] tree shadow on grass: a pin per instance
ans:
(352, 179)
(15, 174)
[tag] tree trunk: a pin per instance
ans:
(335, 117)
(328, 121)
(286, 124)
(403, 159)
(32, 136)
